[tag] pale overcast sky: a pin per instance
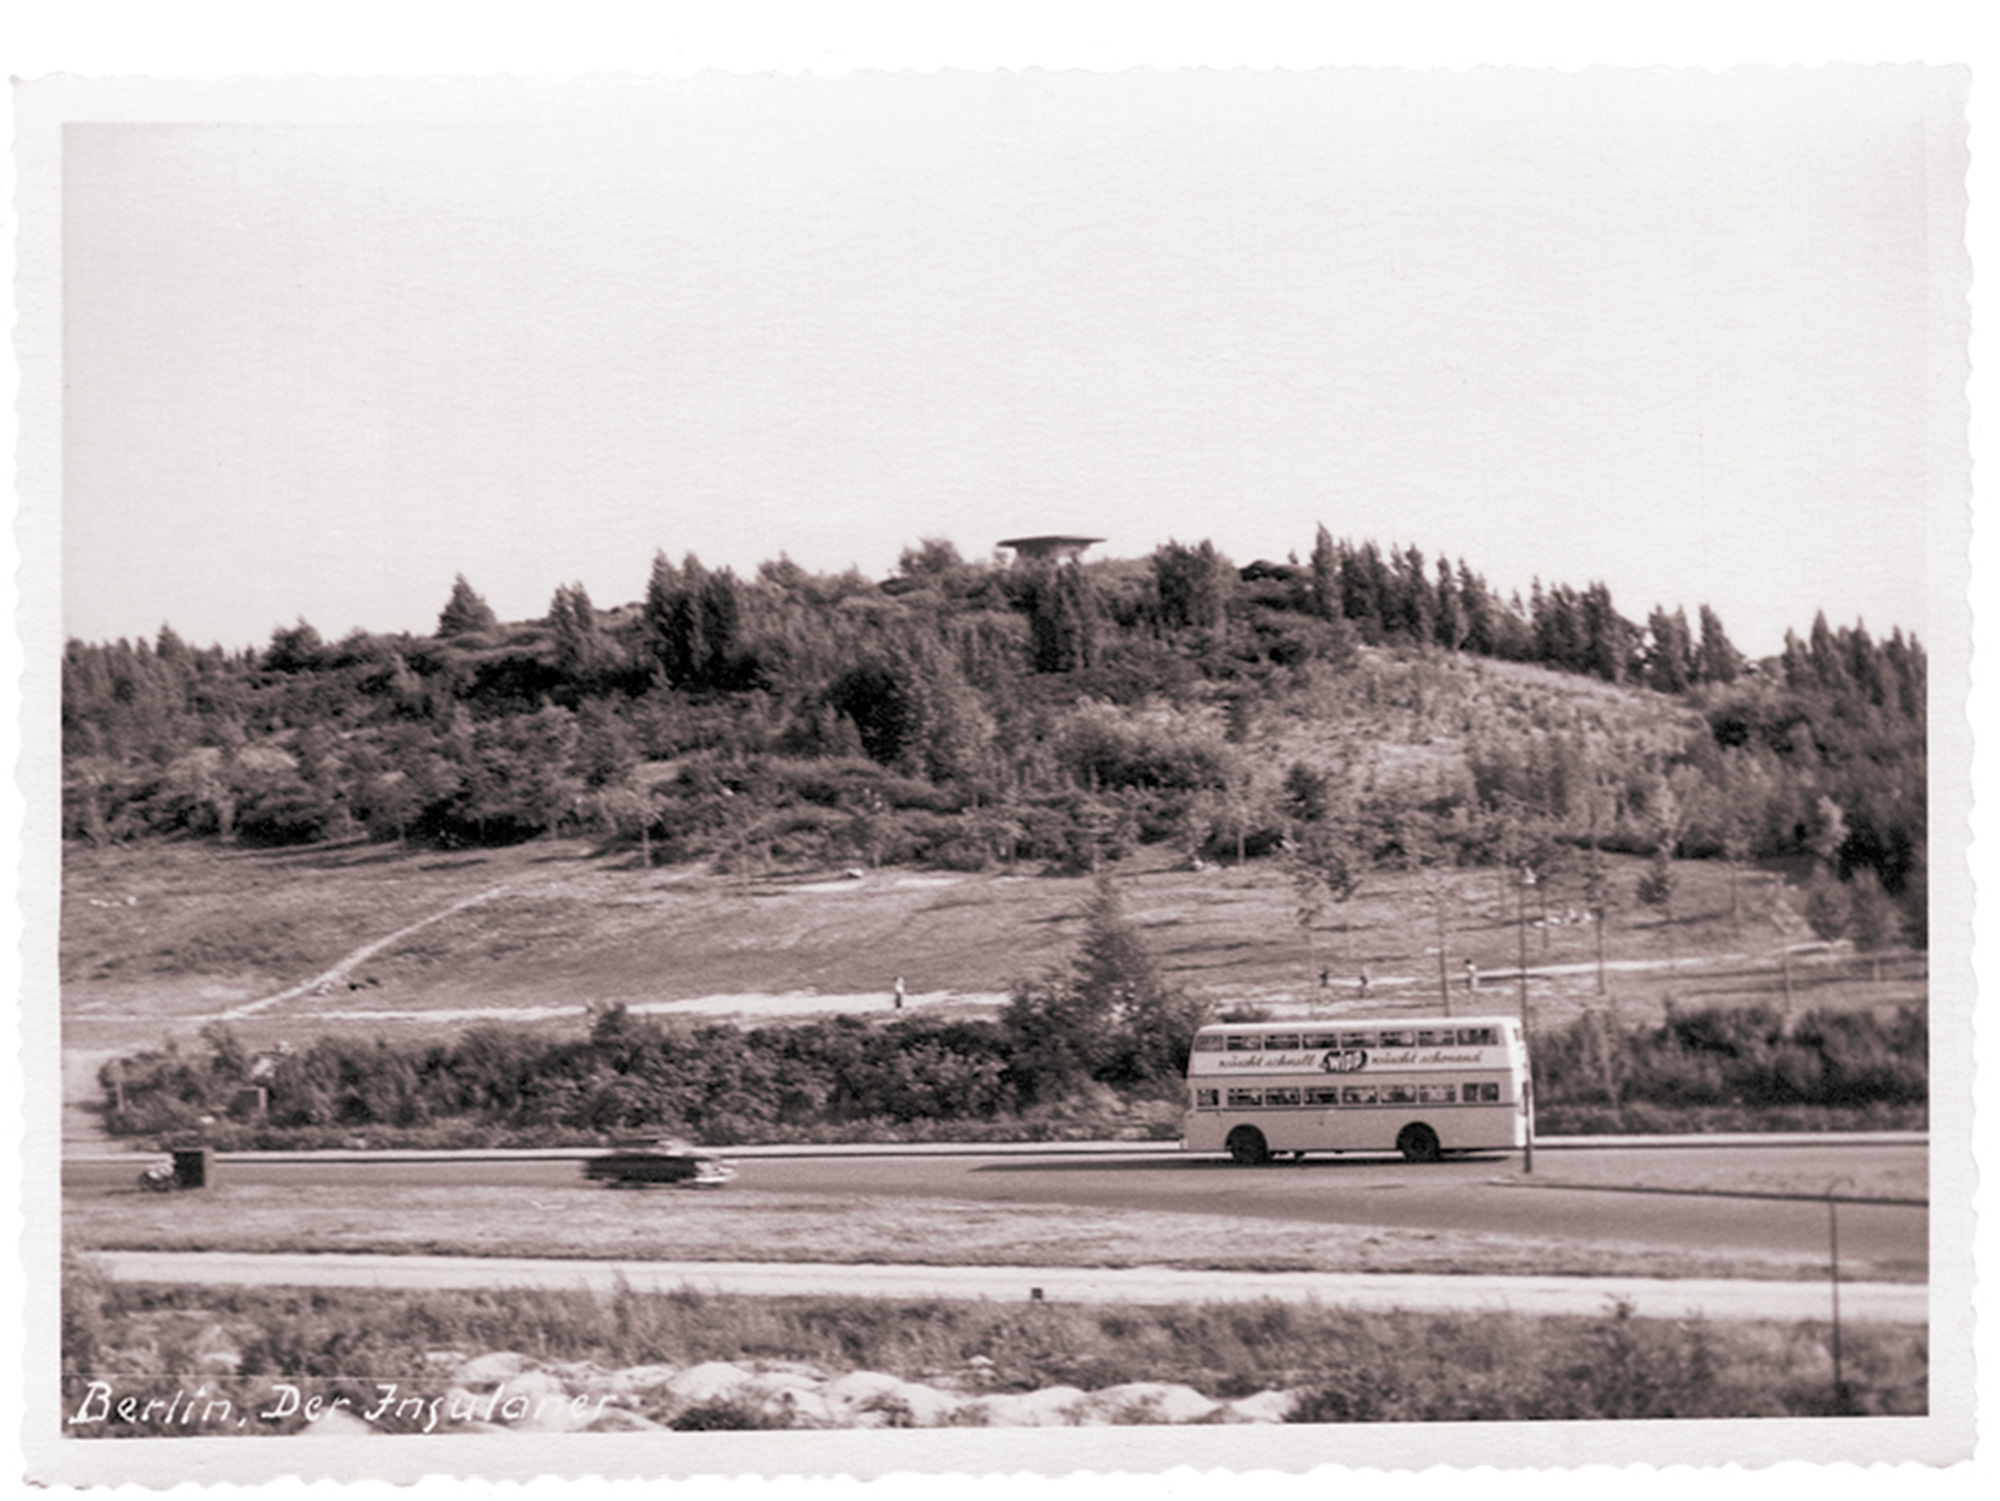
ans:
(1672, 331)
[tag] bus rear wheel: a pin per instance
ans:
(1418, 1143)
(1247, 1145)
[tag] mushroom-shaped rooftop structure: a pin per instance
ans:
(1035, 548)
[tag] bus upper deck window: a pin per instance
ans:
(1281, 1041)
(1245, 1042)
(1357, 1039)
(1434, 1037)
(1208, 1042)
(1320, 1040)
(1476, 1037)
(1399, 1039)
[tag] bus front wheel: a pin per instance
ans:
(1247, 1145)
(1418, 1144)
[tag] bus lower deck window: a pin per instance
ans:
(1358, 1094)
(1328, 1096)
(1246, 1097)
(1281, 1097)
(1439, 1094)
(1206, 1099)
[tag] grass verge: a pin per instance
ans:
(239, 1344)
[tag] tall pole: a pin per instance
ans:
(1833, 1267)
(1833, 1276)
(1597, 922)
(1526, 879)
(1444, 979)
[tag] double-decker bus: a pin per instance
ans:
(1419, 1085)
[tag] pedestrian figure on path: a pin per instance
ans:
(1471, 977)
(1324, 976)
(1364, 979)
(899, 992)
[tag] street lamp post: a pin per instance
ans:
(1526, 879)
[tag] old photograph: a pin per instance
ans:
(985, 771)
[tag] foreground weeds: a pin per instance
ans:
(238, 1347)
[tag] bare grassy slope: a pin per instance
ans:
(193, 934)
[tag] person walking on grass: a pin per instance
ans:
(899, 992)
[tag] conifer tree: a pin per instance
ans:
(1325, 576)
(465, 613)
(1191, 584)
(1062, 616)
(1476, 603)
(1716, 661)
(583, 654)
(663, 588)
(1669, 661)
(1829, 665)
(1451, 627)
(1363, 581)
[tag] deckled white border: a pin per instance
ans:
(1102, 1450)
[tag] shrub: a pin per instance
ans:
(1729, 1057)
(726, 1414)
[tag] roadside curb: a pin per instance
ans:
(1714, 1193)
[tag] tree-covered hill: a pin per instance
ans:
(1359, 709)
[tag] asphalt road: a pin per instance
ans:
(1573, 1195)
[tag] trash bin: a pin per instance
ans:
(193, 1166)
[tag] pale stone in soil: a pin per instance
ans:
(338, 1422)
(1264, 1407)
(501, 1365)
(1149, 1402)
(709, 1382)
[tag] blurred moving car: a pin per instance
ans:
(678, 1164)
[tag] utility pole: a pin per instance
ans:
(1840, 1394)
(1527, 879)
(1444, 979)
